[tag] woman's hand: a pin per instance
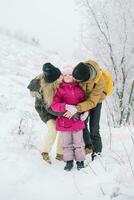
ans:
(68, 115)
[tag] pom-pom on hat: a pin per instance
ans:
(50, 72)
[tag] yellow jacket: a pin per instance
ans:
(94, 89)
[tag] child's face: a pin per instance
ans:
(68, 78)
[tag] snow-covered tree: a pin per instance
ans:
(108, 36)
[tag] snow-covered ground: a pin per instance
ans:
(23, 173)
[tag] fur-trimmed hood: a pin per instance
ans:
(45, 89)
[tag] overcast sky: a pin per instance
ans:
(54, 22)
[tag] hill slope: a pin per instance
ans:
(24, 175)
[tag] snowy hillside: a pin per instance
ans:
(23, 173)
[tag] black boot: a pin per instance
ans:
(94, 155)
(69, 165)
(80, 165)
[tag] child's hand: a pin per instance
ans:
(84, 116)
(68, 115)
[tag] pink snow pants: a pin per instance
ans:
(73, 145)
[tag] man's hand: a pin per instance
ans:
(76, 116)
(68, 115)
(84, 116)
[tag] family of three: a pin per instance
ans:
(69, 102)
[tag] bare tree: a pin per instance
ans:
(109, 34)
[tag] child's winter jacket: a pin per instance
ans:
(68, 93)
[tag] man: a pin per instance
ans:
(88, 74)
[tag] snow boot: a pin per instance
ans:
(80, 165)
(46, 157)
(59, 157)
(69, 165)
(94, 155)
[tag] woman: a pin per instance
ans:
(43, 88)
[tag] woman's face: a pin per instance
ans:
(68, 78)
(60, 79)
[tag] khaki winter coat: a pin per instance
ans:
(95, 92)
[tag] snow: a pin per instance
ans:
(23, 173)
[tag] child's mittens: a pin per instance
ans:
(72, 109)
(84, 116)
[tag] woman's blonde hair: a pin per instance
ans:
(48, 91)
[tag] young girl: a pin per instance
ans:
(69, 93)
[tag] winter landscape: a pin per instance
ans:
(23, 172)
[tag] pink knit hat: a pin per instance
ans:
(67, 70)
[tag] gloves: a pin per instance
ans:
(35, 94)
(84, 116)
(72, 109)
(76, 116)
(39, 95)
